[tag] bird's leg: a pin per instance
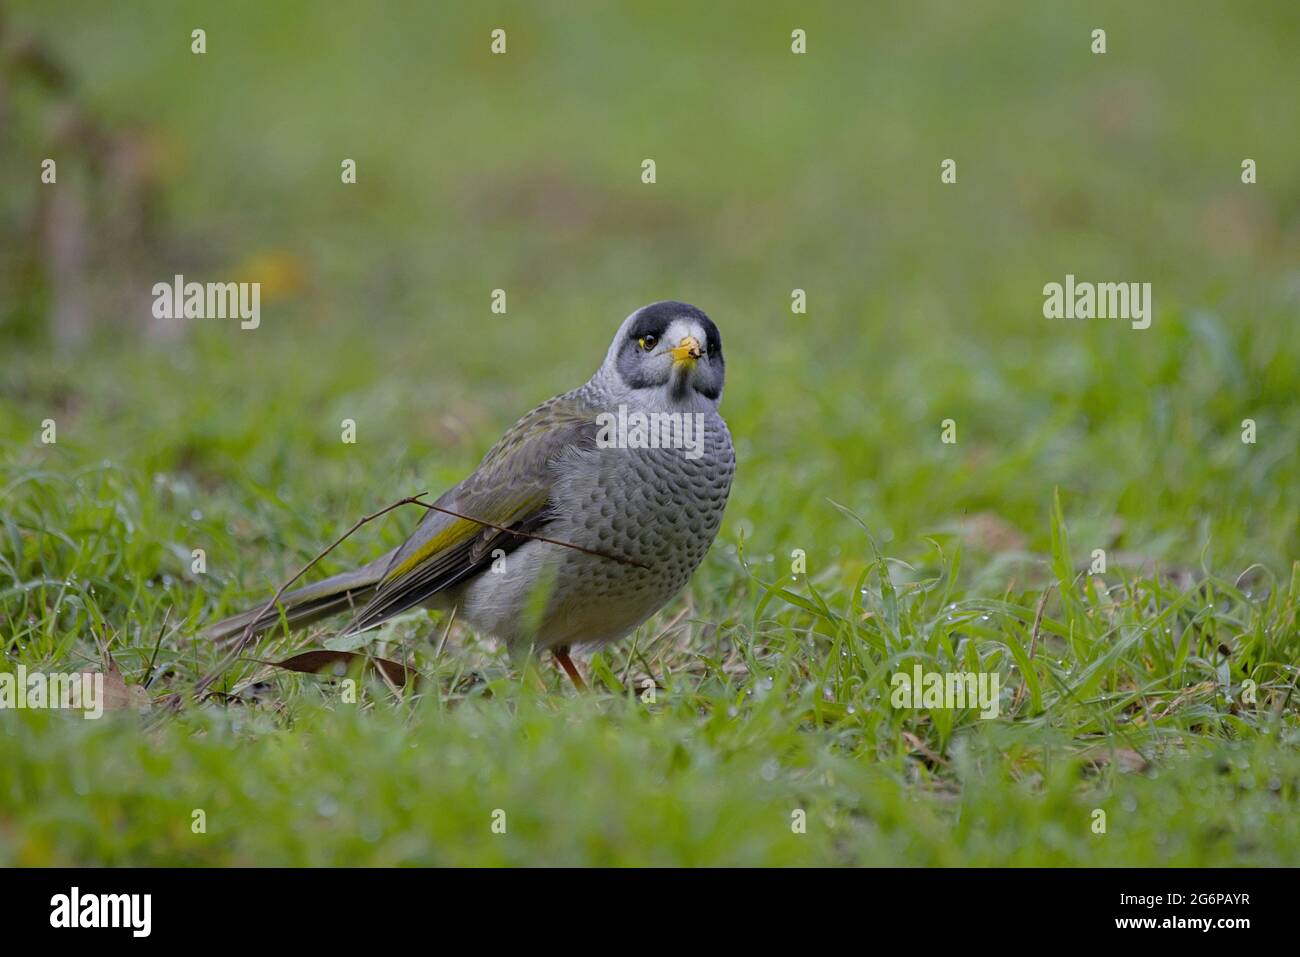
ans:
(564, 661)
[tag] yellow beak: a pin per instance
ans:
(687, 351)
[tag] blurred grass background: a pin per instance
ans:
(775, 172)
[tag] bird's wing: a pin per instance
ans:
(511, 488)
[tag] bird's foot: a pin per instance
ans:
(564, 661)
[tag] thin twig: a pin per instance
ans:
(540, 538)
(246, 638)
(918, 745)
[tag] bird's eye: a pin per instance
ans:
(647, 342)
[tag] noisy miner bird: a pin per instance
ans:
(580, 523)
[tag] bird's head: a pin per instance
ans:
(670, 348)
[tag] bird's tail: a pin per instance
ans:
(302, 606)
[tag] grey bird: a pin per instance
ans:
(582, 521)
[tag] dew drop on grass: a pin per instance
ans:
(771, 767)
(196, 515)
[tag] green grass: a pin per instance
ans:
(774, 688)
